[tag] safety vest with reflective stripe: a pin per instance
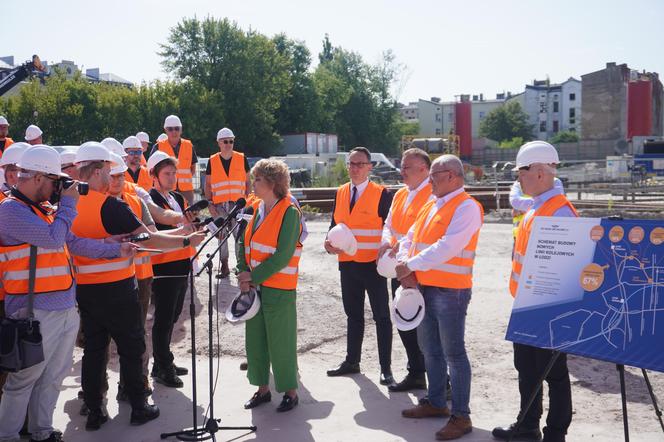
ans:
(185, 155)
(231, 186)
(141, 259)
(172, 255)
(364, 221)
(144, 178)
(8, 142)
(53, 272)
(88, 224)
(259, 245)
(457, 272)
(403, 219)
(549, 207)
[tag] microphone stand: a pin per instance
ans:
(211, 426)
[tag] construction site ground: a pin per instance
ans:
(357, 407)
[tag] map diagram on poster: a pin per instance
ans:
(616, 313)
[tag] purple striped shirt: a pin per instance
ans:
(19, 224)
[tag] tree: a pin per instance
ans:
(326, 54)
(565, 137)
(506, 122)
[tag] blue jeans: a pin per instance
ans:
(441, 337)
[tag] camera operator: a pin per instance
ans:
(28, 220)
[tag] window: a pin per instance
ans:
(543, 107)
(438, 131)
(572, 112)
(542, 126)
(555, 106)
(439, 117)
(555, 126)
(572, 97)
(450, 117)
(572, 129)
(481, 115)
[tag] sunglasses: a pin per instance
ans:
(172, 129)
(134, 152)
(524, 168)
(227, 141)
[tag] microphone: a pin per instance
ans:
(213, 225)
(197, 206)
(239, 204)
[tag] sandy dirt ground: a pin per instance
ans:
(357, 407)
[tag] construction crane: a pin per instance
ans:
(19, 73)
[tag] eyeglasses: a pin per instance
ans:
(172, 129)
(227, 141)
(358, 164)
(134, 152)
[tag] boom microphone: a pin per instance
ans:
(197, 206)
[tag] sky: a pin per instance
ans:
(448, 48)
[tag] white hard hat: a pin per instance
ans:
(42, 158)
(156, 158)
(13, 154)
(68, 156)
(93, 151)
(407, 309)
(172, 121)
(143, 137)
(225, 133)
(32, 132)
(341, 237)
(243, 307)
(536, 152)
(161, 138)
(114, 146)
(387, 265)
(132, 142)
(120, 166)
(3, 120)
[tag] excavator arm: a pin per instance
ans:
(20, 73)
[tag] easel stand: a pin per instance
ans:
(623, 396)
(211, 426)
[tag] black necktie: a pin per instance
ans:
(353, 198)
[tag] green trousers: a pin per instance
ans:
(271, 339)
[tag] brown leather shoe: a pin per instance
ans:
(425, 410)
(455, 428)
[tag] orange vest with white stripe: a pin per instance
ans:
(185, 156)
(173, 255)
(141, 259)
(549, 207)
(403, 219)
(259, 245)
(457, 272)
(364, 221)
(88, 224)
(144, 178)
(53, 272)
(231, 186)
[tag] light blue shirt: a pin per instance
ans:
(544, 197)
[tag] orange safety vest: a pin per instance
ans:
(457, 272)
(403, 219)
(8, 142)
(53, 272)
(259, 245)
(141, 259)
(185, 155)
(253, 201)
(144, 178)
(88, 224)
(363, 221)
(549, 207)
(174, 254)
(231, 186)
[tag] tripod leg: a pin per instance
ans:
(623, 395)
(533, 395)
(658, 412)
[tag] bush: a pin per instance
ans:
(565, 137)
(514, 143)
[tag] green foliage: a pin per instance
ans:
(565, 137)
(408, 127)
(336, 177)
(306, 208)
(514, 143)
(507, 122)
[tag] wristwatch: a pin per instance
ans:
(186, 241)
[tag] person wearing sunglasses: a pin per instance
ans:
(136, 172)
(183, 150)
(227, 180)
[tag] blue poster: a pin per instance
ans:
(594, 288)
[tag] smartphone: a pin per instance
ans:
(140, 237)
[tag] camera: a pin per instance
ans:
(83, 188)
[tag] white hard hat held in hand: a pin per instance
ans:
(341, 237)
(387, 265)
(407, 308)
(42, 158)
(536, 152)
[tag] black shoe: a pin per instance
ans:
(122, 395)
(344, 368)
(84, 411)
(387, 378)
(257, 399)
(96, 417)
(144, 413)
(288, 403)
(504, 433)
(409, 383)
(55, 436)
(423, 400)
(168, 378)
(181, 371)
(244, 366)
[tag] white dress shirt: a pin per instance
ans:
(387, 228)
(466, 221)
(360, 190)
